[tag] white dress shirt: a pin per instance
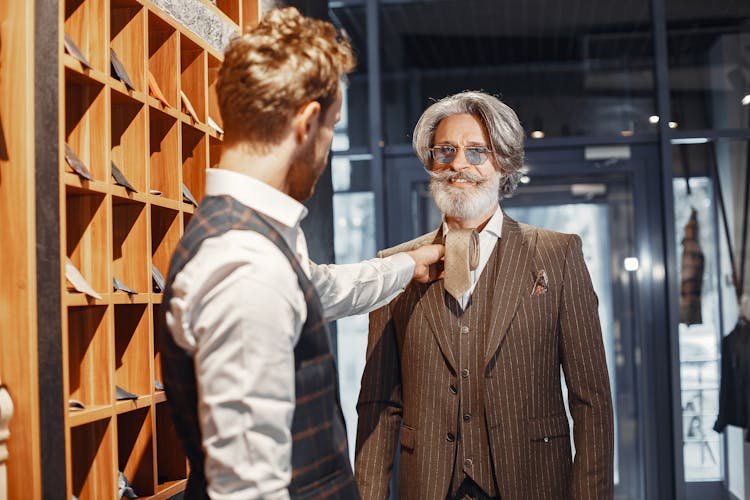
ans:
(238, 309)
(488, 237)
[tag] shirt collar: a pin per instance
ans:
(255, 194)
(494, 226)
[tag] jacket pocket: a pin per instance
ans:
(408, 437)
(547, 428)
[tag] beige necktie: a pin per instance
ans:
(461, 257)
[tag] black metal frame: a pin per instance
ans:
(48, 265)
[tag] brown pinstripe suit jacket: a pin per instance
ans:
(410, 368)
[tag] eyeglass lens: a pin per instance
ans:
(446, 154)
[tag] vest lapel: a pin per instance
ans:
(436, 310)
(438, 313)
(514, 278)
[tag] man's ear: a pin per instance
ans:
(306, 120)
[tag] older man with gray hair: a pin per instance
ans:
(465, 372)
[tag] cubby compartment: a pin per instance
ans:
(89, 357)
(164, 171)
(194, 161)
(85, 122)
(132, 349)
(128, 39)
(112, 231)
(165, 235)
(83, 23)
(86, 236)
(186, 220)
(213, 99)
(231, 8)
(129, 139)
(94, 468)
(193, 75)
(130, 263)
(171, 463)
(135, 450)
(162, 58)
(214, 152)
(158, 377)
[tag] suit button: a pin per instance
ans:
(465, 373)
(464, 329)
(450, 437)
(546, 439)
(467, 417)
(468, 462)
(453, 389)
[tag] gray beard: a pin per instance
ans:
(464, 204)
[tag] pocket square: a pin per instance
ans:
(541, 283)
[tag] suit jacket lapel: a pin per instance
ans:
(513, 280)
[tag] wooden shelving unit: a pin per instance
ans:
(108, 231)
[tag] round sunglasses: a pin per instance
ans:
(476, 155)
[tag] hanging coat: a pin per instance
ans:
(734, 391)
(692, 274)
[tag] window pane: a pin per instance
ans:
(567, 69)
(709, 62)
(354, 240)
(355, 122)
(699, 330)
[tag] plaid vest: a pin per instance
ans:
(320, 458)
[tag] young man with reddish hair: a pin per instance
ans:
(246, 357)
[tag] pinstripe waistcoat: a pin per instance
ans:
(320, 460)
(410, 387)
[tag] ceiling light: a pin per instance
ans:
(672, 124)
(626, 133)
(653, 119)
(631, 263)
(537, 134)
(525, 179)
(689, 140)
(746, 100)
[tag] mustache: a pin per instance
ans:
(450, 175)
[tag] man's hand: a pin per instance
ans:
(429, 265)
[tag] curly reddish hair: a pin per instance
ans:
(287, 60)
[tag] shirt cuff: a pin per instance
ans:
(403, 267)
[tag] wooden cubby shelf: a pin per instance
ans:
(129, 244)
(83, 23)
(88, 348)
(94, 467)
(194, 160)
(135, 449)
(140, 145)
(164, 156)
(85, 118)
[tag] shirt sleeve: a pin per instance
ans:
(349, 289)
(245, 321)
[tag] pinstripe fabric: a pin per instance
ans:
(411, 366)
(320, 459)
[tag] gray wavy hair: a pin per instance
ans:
(501, 122)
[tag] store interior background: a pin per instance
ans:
(623, 103)
(628, 106)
